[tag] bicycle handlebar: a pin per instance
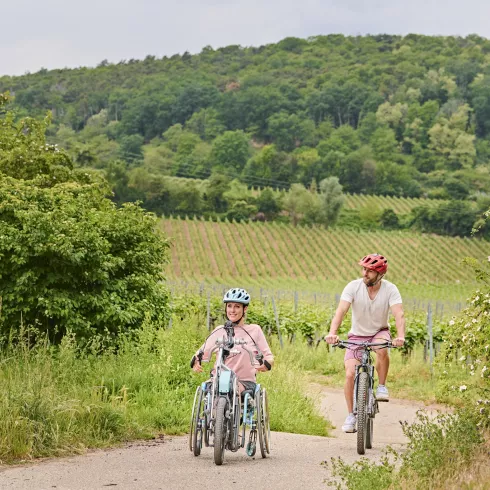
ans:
(345, 344)
(222, 342)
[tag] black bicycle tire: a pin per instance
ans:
(260, 425)
(220, 431)
(362, 411)
(193, 418)
(265, 409)
(369, 432)
(196, 440)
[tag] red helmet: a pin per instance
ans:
(375, 262)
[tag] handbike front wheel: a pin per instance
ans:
(220, 431)
(362, 411)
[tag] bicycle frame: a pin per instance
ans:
(366, 366)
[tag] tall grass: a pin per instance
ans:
(57, 400)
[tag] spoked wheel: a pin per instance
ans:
(362, 412)
(263, 425)
(220, 431)
(196, 432)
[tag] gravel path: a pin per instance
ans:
(294, 462)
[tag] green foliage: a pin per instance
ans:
(71, 260)
(438, 450)
(415, 106)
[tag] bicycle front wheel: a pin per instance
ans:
(220, 431)
(362, 411)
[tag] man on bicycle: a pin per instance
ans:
(371, 298)
(236, 304)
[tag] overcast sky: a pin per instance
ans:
(64, 33)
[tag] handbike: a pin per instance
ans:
(217, 410)
(365, 402)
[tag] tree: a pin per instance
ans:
(230, 152)
(300, 203)
(289, 131)
(331, 199)
(267, 203)
(70, 259)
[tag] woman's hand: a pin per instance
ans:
(197, 367)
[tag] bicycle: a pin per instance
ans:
(365, 402)
(218, 411)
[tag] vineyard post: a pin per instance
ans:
(431, 344)
(208, 313)
(277, 321)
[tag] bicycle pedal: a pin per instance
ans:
(382, 401)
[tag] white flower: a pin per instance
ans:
(463, 358)
(474, 320)
(451, 322)
(462, 388)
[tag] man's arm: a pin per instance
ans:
(342, 309)
(399, 315)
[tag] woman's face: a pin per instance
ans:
(235, 311)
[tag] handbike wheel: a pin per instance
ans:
(362, 411)
(265, 416)
(195, 410)
(262, 422)
(220, 431)
(199, 425)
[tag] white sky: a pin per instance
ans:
(57, 34)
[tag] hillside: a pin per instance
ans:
(388, 115)
(275, 255)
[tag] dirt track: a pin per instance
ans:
(294, 463)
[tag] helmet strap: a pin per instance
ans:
(372, 284)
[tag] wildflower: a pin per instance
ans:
(451, 322)
(462, 358)
(462, 388)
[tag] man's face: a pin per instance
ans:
(234, 311)
(369, 276)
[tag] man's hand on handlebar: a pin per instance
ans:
(332, 338)
(398, 341)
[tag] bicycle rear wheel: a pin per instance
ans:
(220, 431)
(362, 411)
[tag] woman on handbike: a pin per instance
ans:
(236, 302)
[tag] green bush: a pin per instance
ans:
(70, 260)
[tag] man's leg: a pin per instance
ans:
(350, 372)
(382, 362)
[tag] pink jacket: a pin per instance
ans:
(240, 363)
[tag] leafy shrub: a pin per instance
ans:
(70, 260)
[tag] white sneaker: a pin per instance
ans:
(382, 394)
(350, 423)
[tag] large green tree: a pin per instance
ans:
(70, 259)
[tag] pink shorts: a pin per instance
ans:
(384, 334)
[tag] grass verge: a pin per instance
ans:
(61, 400)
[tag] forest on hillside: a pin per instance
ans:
(388, 115)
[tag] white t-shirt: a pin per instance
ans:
(370, 315)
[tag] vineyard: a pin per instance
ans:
(400, 205)
(283, 256)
